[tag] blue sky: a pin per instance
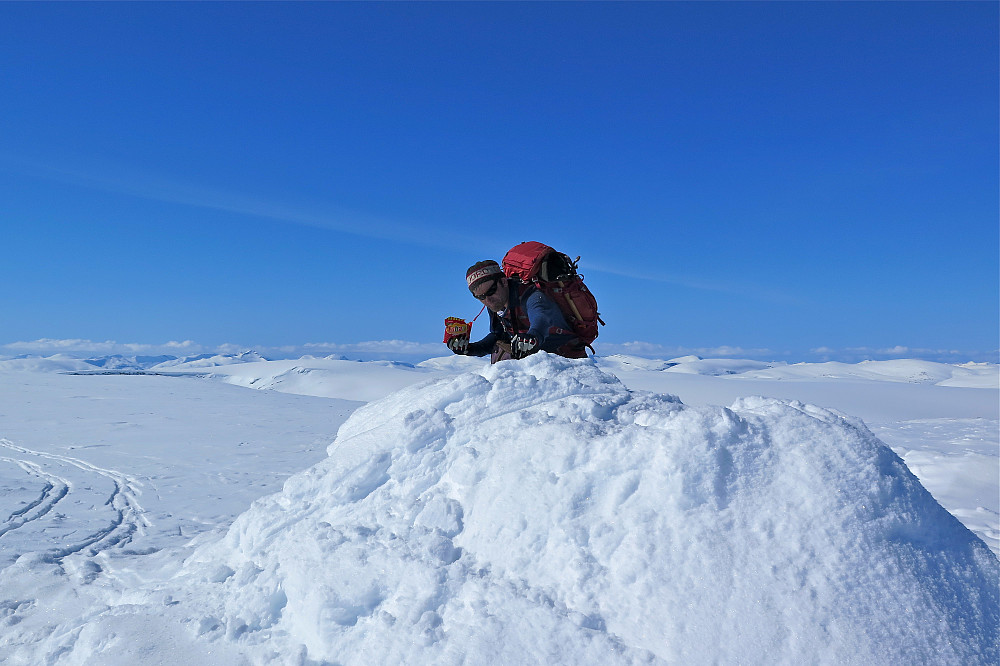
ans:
(778, 180)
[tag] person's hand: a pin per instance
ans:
(459, 345)
(522, 345)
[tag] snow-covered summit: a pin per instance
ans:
(539, 512)
(118, 362)
(208, 361)
(53, 363)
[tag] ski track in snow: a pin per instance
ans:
(55, 489)
(79, 508)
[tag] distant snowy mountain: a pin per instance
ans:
(207, 361)
(694, 365)
(539, 512)
(627, 363)
(326, 377)
(125, 364)
(119, 362)
(54, 363)
(977, 375)
(969, 375)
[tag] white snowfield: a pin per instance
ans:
(541, 511)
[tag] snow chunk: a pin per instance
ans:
(539, 512)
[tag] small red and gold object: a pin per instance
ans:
(456, 327)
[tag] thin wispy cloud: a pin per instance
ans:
(139, 183)
(703, 284)
(135, 182)
(50, 346)
(855, 354)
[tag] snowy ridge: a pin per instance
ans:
(207, 361)
(325, 377)
(971, 375)
(117, 363)
(54, 363)
(974, 375)
(539, 512)
(693, 365)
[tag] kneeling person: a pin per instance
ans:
(522, 319)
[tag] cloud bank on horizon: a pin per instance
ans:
(414, 351)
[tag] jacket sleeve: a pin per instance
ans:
(485, 346)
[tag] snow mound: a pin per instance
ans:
(539, 512)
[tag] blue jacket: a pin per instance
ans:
(531, 312)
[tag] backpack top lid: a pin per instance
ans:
(525, 260)
(556, 275)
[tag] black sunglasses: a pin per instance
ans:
(489, 292)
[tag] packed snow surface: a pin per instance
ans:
(541, 511)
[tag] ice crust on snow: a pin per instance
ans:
(539, 512)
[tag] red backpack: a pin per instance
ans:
(554, 273)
